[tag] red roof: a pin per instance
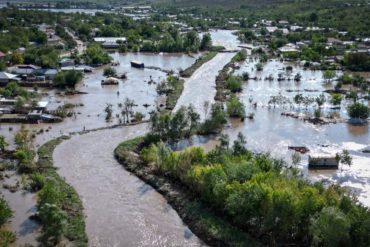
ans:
(2, 54)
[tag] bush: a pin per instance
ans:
(240, 56)
(336, 98)
(68, 78)
(217, 120)
(235, 108)
(358, 110)
(95, 55)
(234, 84)
(109, 71)
(37, 181)
(5, 211)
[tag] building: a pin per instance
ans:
(110, 39)
(66, 62)
(322, 162)
(7, 77)
(2, 56)
(288, 48)
(110, 45)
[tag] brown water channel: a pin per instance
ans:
(121, 210)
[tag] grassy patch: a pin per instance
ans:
(199, 62)
(65, 198)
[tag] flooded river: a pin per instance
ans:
(121, 210)
(201, 86)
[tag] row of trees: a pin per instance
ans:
(186, 122)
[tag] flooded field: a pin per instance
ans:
(121, 210)
(273, 133)
(91, 115)
(23, 205)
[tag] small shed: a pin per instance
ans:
(322, 162)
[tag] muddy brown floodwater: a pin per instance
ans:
(121, 210)
(201, 86)
(91, 115)
(23, 205)
(273, 133)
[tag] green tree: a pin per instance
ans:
(206, 42)
(109, 71)
(5, 211)
(235, 108)
(234, 84)
(336, 99)
(358, 110)
(328, 75)
(330, 228)
(68, 78)
(3, 143)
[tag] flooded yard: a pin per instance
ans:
(273, 133)
(23, 204)
(91, 115)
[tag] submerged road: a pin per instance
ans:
(201, 86)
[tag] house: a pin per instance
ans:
(334, 41)
(9, 102)
(271, 29)
(295, 28)
(110, 39)
(41, 105)
(110, 45)
(322, 162)
(47, 74)
(2, 56)
(285, 31)
(7, 77)
(288, 48)
(66, 62)
(283, 23)
(50, 74)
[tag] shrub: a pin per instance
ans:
(109, 71)
(5, 211)
(358, 110)
(234, 84)
(235, 108)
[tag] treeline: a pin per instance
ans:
(150, 35)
